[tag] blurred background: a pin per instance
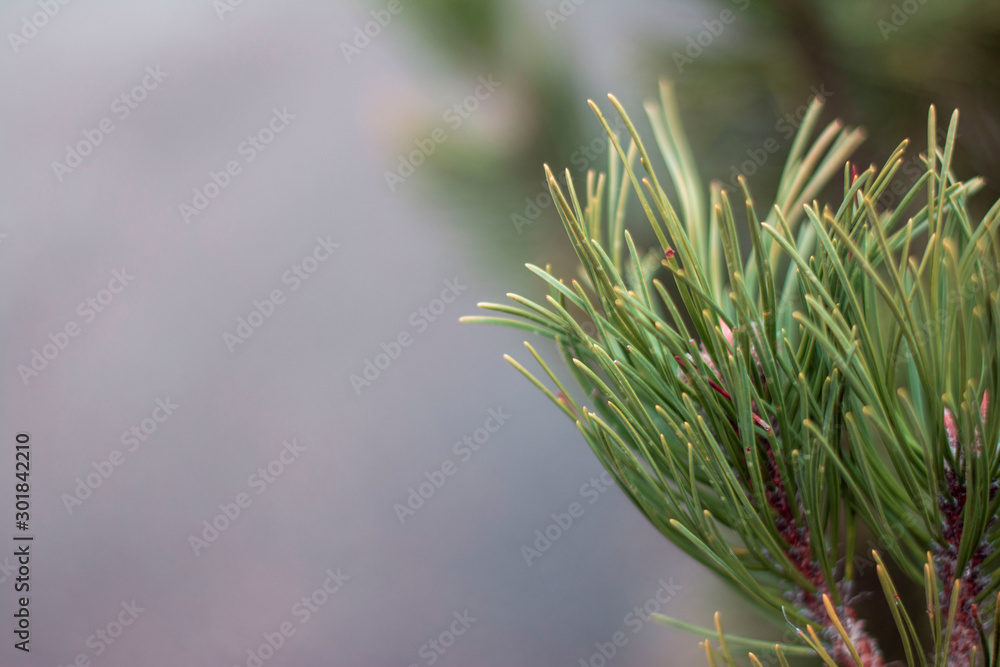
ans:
(236, 241)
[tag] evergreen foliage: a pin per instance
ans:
(764, 401)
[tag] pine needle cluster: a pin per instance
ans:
(768, 384)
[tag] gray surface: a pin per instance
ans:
(162, 336)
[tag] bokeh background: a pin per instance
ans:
(161, 96)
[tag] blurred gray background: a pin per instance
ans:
(100, 159)
(162, 337)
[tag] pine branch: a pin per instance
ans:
(752, 420)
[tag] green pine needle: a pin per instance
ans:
(768, 382)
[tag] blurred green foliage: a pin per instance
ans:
(879, 63)
(882, 63)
